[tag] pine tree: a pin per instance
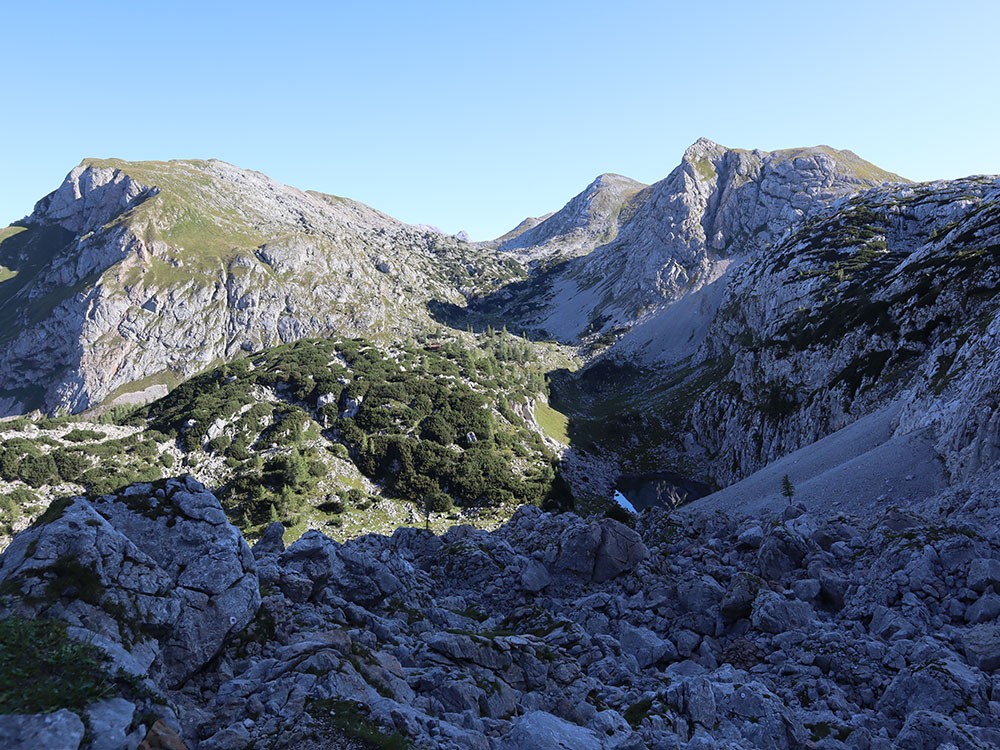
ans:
(787, 488)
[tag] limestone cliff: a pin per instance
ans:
(891, 294)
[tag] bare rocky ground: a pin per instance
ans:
(790, 629)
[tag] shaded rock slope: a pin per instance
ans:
(787, 630)
(891, 295)
(886, 296)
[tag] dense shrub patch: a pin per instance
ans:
(418, 421)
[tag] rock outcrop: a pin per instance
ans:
(889, 295)
(160, 569)
(880, 301)
(618, 252)
(591, 219)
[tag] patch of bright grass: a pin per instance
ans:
(553, 423)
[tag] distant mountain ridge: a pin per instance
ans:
(625, 250)
(145, 273)
(767, 299)
(789, 361)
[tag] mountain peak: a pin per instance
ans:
(612, 179)
(588, 219)
(704, 147)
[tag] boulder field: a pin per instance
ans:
(788, 630)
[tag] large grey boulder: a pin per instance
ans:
(773, 613)
(943, 685)
(600, 551)
(984, 572)
(763, 719)
(538, 730)
(739, 597)
(534, 576)
(156, 567)
(929, 730)
(646, 646)
(316, 567)
(271, 542)
(578, 548)
(782, 552)
(109, 721)
(981, 646)
(985, 609)
(461, 648)
(699, 701)
(621, 550)
(62, 730)
(699, 593)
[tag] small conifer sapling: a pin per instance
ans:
(787, 488)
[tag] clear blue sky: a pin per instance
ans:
(474, 115)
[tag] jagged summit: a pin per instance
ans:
(592, 217)
(627, 250)
(704, 148)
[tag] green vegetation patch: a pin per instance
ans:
(198, 216)
(350, 719)
(419, 421)
(42, 669)
(13, 505)
(78, 435)
(555, 424)
(705, 169)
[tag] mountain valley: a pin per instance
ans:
(790, 356)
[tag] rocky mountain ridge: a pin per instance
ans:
(762, 300)
(887, 295)
(132, 276)
(588, 220)
(892, 295)
(622, 251)
(779, 322)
